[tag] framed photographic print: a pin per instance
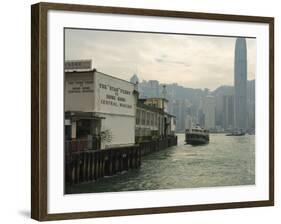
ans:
(141, 111)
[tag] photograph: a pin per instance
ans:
(139, 111)
(150, 111)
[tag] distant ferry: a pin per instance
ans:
(196, 136)
(236, 133)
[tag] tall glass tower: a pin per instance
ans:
(240, 84)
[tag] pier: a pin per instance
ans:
(148, 147)
(97, 144)
(90, 165)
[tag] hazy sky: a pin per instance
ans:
(189, 60)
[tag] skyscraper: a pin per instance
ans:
(228, 112)
(240, 84)
(148, 89)
(251, 104)
(208, 106)
(134, 79)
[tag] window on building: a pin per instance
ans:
(143, 117)
(156, 119)
(138, 117)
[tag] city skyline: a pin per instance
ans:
(192, 59)
(210, 109)
(188, 87)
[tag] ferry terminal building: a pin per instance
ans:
(102, 111)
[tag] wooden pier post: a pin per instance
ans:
(102, 164)
(77, 168)
(84, 166)
(96, 166)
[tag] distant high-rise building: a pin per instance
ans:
(134, 79)
(208, 107)
(251, 104)
(164, 92)
(149, 89)
(228, 112)
(240, 84)
(188, 122)
(201, 118)
(181, 108)
(219, 93)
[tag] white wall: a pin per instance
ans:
(15, 113)
(122, 129)
(119, 120)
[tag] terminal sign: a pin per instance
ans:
(78, 65)
(114, 95)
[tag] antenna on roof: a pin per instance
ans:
(164, 92)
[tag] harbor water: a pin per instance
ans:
(225, 161)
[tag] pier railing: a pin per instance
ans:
(84, 165)
(79, 145)
(148, 147)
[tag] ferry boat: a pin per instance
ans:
(196, 136)
(236, 133)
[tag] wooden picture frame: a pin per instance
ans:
(39, 110)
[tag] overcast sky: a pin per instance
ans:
(189, 60)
